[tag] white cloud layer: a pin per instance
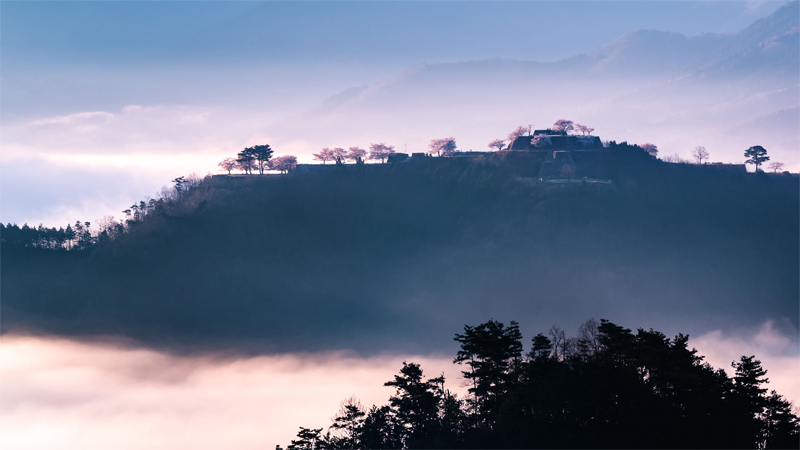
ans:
(63, 394)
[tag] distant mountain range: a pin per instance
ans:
(664, 87)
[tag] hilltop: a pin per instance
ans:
(395, 256)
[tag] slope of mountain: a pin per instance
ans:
(399, 257)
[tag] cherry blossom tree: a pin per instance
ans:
(585, 131)
(284, 164)
(497, 144)
(650, 148)
(339, 155)
(324, 155)
(519, 131)
(699, 154)
(443, 147)
(541, 140)
(357, 155)
(380, 152)
(228, 164)
(563, 126)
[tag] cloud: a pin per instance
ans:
(777, 347)
(65, 394)
(61, 394)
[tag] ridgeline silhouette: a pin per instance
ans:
(376, 257)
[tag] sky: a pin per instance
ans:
(102, 103)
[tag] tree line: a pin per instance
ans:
(83, 235)
(607, 387)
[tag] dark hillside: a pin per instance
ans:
(397, 256)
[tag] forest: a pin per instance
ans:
(395, 256)
(608, 387)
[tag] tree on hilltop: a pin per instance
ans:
(775, 167)
(563, 126)
(228, 164)
(756, 155)
(357, 155)
(497, 144)
(443, 147)
(380, 152)
(247, 160)
(585, 131)
(519, 131)
(284, 164)
(339, 155)
(262, 155)
(324, 155)
(699, 154)
(651, 149)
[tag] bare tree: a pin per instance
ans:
(380, 152)
(284, 164)
(357, 155)
(228, 164)
(699, 154)
(324, 155)
(775, 167)
(497, 144)
(559, 339)
(563, 126)
(443, 147)
(651, 149)
(589, 337)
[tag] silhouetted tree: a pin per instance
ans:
(699, 154)
(415, 403)
(756, 155)
(261, 154)
(246, 159)
(491, 350)
(307, 439)
(349, 422)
